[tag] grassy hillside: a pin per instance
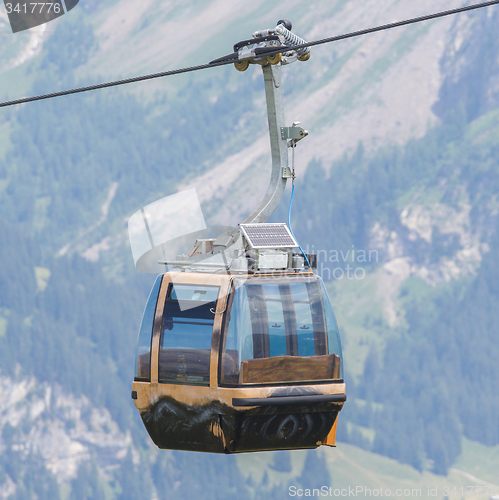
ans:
(72, 171)
(473, 477)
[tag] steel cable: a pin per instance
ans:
(233, 57)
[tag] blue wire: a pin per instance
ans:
(289, 225)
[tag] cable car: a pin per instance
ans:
(232, 364)
(239, 349)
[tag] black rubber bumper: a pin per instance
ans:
(290, 400)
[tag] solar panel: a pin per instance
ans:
(267, 235)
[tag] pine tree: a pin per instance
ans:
(314, 474)
(282, 461)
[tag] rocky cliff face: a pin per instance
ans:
(65, 431)
(379, 90)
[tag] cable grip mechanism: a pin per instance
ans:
(260, 49)
(295, 133)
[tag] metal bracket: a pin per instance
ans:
(294, 133)
(278, 146)
(287, 173)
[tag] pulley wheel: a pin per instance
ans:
(304, 57)
(286, 23)
(241, 65)
(274, 58)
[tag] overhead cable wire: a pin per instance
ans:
(233, 57)
(113, 84)
(395, 25)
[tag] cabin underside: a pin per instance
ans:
(219, 428)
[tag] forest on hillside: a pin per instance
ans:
(72, 321)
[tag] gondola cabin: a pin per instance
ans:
(231, 364)
(238, 350)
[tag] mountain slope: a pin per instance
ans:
(419, 193)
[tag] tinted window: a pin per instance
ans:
(333, 334)
(143, 353)
(187, 328)
(278, 318)
(304, 321)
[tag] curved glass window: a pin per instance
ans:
(277, 330)
(143, 352)
(186, 332)
(333, 333)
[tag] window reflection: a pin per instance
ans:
(185, 343)
(143, 352)
(279, 330)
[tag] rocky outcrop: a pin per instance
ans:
(64, 430)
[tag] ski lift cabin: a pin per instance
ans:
(228, 364)
(239, 349)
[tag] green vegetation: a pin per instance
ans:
(443, 346)
(65, 320)
(349, 466)
(421, 393)
(479, 460)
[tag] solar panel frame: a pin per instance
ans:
(268, 235)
